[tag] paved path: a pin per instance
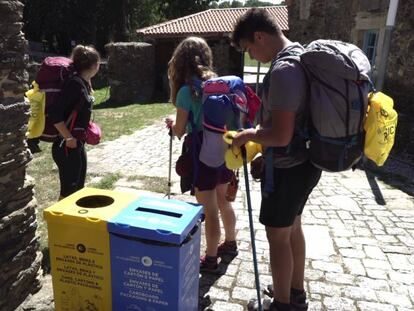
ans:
(360, 254)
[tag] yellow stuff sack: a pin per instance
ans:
(37, 111)
(233, 156)
(380, 126)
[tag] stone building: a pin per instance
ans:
(214, 25)
(363, 23)
(20, 259)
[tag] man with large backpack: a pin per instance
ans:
(301, 135)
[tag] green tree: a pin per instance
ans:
(257, 3)
(97, 22)
(214, 5)
(225, 4)
(172, 8)
(236, 4)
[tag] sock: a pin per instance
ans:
(231, 243)
(281, 306)
(211, 258)
(296, 292)
(298, 295)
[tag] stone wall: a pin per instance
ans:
(19, 256)
(400, 73)
(227, 61)
(131, 71)
(315, 19)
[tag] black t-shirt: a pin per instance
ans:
(74, 96)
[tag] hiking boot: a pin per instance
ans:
(209, 264)
(253, 304)
(267, 305)
(297, 298)
(227, 250)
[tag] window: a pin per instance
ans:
(370, 44)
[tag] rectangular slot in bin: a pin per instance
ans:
(155, 250)
(156, 219)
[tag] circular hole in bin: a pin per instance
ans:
(94, 201)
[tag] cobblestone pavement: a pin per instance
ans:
(360, 253)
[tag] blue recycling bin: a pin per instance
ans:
(155, 249)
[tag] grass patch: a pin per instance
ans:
(151, 183)
(114, 122)
(251, 62)
(107, 182)
(124, 120)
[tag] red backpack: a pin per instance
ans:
(51, 77)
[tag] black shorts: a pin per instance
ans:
(292, 187)
(209, 178)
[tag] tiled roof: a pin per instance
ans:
(208, 23)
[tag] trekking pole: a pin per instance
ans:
(170, 164)
(250, 211)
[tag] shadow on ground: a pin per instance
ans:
(395, 173)
(206, 281)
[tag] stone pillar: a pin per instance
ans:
(131, 71)
(20, 259)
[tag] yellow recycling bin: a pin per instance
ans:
(79, 248)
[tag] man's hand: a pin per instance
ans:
(243, 137)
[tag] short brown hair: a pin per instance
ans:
(255, 19)
(84, 57)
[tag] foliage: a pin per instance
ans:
(58, 22)
(61, 23)
(239, 4)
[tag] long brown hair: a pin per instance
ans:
(192, 58)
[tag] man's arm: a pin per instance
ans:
(278, 135)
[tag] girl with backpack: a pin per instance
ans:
(71, 116)
(192, 61)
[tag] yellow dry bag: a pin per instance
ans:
(37, 111)
(380, 126)
(233, 156)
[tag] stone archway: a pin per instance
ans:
(20, 259)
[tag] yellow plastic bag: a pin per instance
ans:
(380, 126)
(233, 157)
(37, 111)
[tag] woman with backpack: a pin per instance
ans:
(192, 62)
(71, 116)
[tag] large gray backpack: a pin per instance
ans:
(338, 78)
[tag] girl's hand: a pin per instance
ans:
(169, 122)
(71, 142)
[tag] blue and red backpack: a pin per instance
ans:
(227, 104)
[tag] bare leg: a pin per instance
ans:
(297, 240)
(281, 261)
(208, 199)
(227, 213)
